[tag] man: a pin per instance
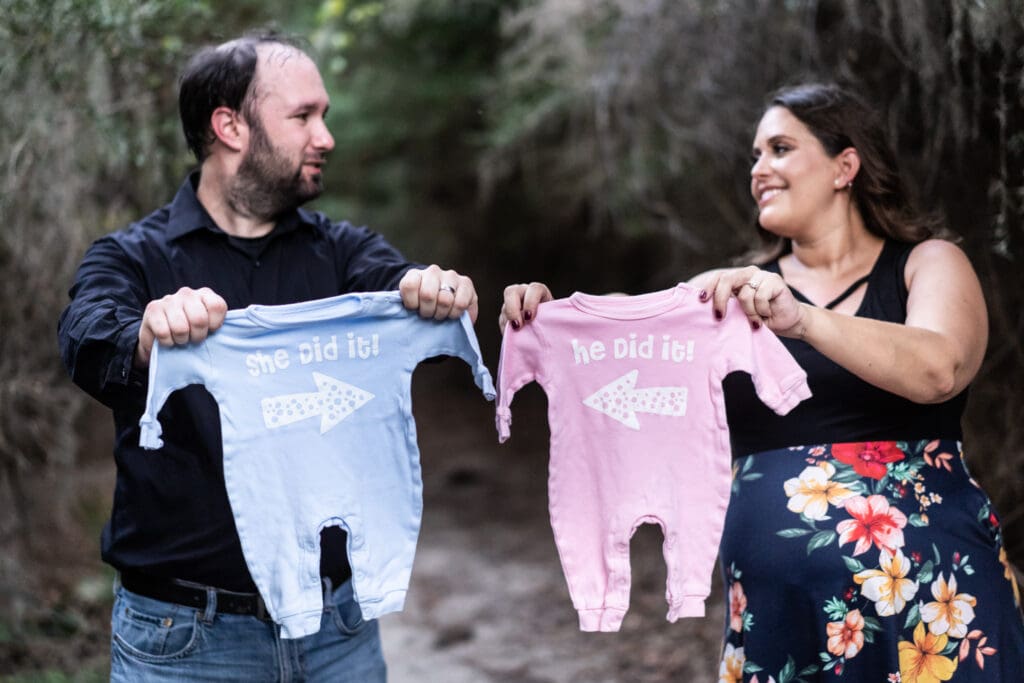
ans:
(186, 607)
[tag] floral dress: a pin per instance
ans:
(868, 561)
(868, 554)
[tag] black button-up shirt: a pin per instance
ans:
(171, 516)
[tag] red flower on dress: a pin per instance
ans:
(737, 606)
(868, 458)
(874, 522)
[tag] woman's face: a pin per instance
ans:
(793, 179)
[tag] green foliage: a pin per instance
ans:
(618, 119)
(598, 145)
(89, 140)
(407, 80)
(603, 145)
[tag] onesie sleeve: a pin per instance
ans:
(779, 381)
(460, 341)
(171, 368)
(517, 367)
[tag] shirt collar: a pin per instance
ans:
(188, 215)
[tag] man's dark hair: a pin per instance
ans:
(221, 76)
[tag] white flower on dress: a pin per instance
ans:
(888, 586)
(951, 611)
(813, 491)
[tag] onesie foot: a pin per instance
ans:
(605, 619)
(374, 608)
(691, 606)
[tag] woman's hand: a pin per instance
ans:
(763, 296)
(520, 304)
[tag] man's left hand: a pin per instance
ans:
(438, 294)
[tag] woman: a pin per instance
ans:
(856, 544)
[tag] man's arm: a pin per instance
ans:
(107, 332)
(99, 330)
(370, 263)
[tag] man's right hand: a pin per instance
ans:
(186, 316)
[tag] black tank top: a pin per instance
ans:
(843, 406)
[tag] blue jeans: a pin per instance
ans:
(155, 641)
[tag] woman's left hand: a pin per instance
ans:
(763, 296)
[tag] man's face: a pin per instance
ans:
(288, 139)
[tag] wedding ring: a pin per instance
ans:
(754, 284)
(447, 288)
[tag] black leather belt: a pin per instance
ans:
(193, 595)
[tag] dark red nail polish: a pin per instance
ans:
(718, 315)
(703, 295)
(756, 325)
(515, 324)
(527, 315)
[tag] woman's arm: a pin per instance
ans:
(929, 358)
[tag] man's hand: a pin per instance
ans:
(438, 294)
(186, 316)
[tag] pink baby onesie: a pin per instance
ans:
(638, 432)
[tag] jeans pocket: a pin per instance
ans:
(345, 611)
(153, 631)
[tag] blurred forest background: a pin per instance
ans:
(595, 145)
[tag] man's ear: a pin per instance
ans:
(229, 128)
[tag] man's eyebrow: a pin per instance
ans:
(310, 105)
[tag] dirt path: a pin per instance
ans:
(488, 602)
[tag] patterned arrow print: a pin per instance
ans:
(334, 401)
(621, 400)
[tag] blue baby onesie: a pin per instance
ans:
(315, 411)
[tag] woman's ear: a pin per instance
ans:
(847, 167)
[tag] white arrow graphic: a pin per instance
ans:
(334, 401)
(621, 401)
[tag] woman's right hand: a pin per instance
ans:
(520, 304)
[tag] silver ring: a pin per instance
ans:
(754, 284)
(447, 288)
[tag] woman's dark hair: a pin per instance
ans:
(840, 119)
(220, 76)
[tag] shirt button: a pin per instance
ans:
(257, 264)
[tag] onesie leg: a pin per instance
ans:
(596, 566)
(691, 546)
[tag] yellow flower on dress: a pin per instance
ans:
(888, 587)
(951, 611)
(846, 637)
(921, 661)
(731, 669)
(813, 491)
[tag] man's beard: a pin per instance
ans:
(267, 184)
